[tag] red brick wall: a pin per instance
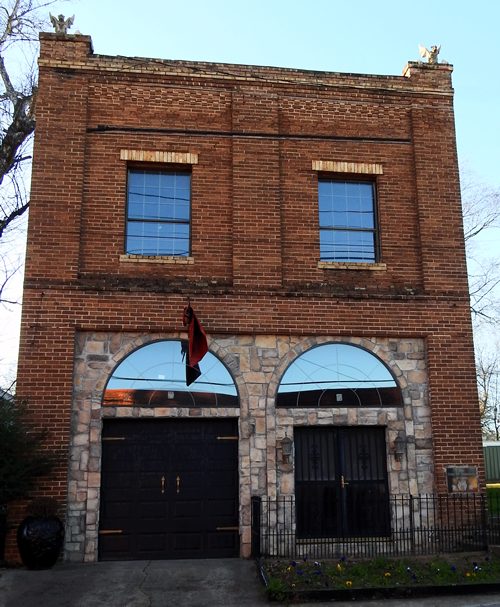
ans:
(255, 237)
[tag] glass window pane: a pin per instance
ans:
(135, 179)
(339, 188)
(160, 366)
(151, 179)
(325, 204)
(166, 180)
(180, 241)
(340, 246)
(326, 219)
(367, 219)
(134, 245)
(135, 210)
(183, 181)
(338, 375)
(326, 245)
(341, 220)
(165, 211)
(168, 194)
(181, 211)
(339, 203)
(360, 246)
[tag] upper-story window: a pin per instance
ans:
(158, 212)
(347, 221)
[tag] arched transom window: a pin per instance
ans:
(155, 376)
(338, 375)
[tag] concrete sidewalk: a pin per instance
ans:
(189, 583)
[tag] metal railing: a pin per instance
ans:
(419, 525)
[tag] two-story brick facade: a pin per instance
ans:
(314, 221)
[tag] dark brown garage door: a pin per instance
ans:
(169, 489)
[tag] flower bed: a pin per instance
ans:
(346, 579)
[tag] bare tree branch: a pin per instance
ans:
(481, 212)
(488, 373)
(20, 24)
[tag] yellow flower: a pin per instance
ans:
(387, 574)
(467, 574)
(348, 583)
(339, 567)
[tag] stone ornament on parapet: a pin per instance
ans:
(431, 55)
(60, 24)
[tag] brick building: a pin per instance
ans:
(314, 221)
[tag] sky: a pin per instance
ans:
(356, 36)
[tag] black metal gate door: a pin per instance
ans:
(341, 482)
(169, 489)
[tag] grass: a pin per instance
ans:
(286, 576)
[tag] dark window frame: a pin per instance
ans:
(162, 169)
(352, 179)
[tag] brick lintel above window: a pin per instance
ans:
(335, 166)
(159, 156)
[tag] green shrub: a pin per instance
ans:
(22, 457)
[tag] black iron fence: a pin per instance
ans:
(419, 525)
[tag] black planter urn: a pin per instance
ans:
(3, 531)
(40, 540)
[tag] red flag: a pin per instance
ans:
(197, 346)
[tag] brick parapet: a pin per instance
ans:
(76, 52)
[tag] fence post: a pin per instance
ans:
(412, 525)
(484, 520)
(256, 503)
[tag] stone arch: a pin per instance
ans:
(96, 356)
(138, 370)
(372, 346)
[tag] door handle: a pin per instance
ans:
(343, 482)
(162, 485)
(178, 483)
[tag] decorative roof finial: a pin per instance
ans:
(61, 25)
(432, 55)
